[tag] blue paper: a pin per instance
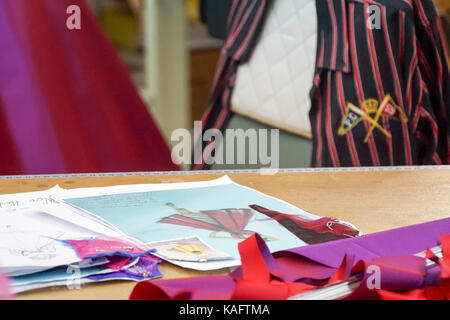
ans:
(138, 214)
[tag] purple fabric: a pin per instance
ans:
(320, 261)
(397, 274)
(145, 269)
(402, 241)
(146, 265)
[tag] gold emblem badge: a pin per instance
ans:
(354, 115)
(370, 106)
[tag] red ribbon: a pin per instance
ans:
(262, 278)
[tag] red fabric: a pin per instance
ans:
(260, 279)
(67, 104)
(199, 288)
(401, 278)
(344, 270)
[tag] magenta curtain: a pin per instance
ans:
(67, 104)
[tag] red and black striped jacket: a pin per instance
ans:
(395, 75)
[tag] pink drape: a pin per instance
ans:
(67, 104)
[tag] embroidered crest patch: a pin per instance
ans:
(354, 115)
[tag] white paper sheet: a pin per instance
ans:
(44, 201)
(30, 240)
(132, 198)
(50, 209)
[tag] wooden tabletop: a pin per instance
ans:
(373, 201)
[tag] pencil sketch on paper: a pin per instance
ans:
(28, 245)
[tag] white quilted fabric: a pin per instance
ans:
(273, 87)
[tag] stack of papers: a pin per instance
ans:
(77, 236)
(37, 245)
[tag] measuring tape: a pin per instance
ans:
(224, 172)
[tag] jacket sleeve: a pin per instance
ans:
(433, 64)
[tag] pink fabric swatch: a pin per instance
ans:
(5, 292)
(105, 246)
